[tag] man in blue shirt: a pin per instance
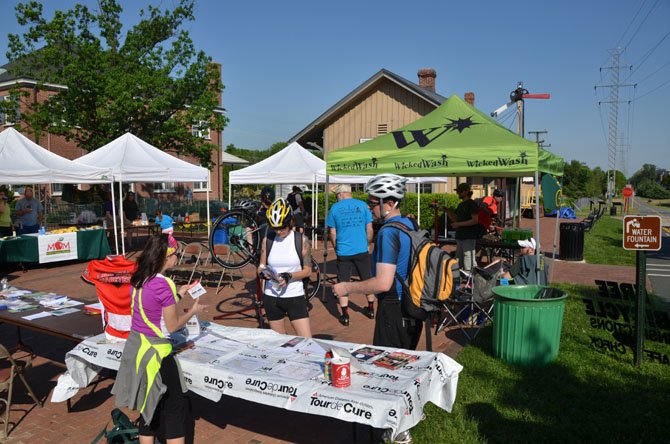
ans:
(349, 225)
(391, 255)
(29, 212)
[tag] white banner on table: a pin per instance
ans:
(57, 247)
(256, 370)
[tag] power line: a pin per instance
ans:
(646, 56)
(642, 23)
(631, 22)
(658, 87)
(662, 66)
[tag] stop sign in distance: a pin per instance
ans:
(627, 192)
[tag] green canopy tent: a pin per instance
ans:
(455, 139)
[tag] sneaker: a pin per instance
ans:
(344, 320)
(369, 312)
(401, 438)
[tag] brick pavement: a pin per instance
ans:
(231, 420)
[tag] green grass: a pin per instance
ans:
(603, 244)
(585, 396)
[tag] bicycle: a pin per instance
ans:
(245, 237)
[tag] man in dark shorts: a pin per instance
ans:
(349, 225)
(298, 208)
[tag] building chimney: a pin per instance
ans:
(470, 98)
(427, 78)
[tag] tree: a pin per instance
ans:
(646, 173)
(151, 82)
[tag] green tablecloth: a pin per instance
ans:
(91, 244)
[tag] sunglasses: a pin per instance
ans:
(373, 203)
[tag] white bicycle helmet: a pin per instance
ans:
(279, 213)
(386, 186)
(246, 204)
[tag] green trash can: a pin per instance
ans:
(527, 322)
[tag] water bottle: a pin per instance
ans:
(104, 224)
(42, 231)
(504, 281)
(3, 284)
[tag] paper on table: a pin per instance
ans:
(199, 355)
(42, 314)
(240, 364)
(300, 371)
(64, 311)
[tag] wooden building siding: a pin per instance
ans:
(387, 104)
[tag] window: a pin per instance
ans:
(56, 189)
(200, 186)
(164, 187)
(357, 187)
(10, 118)
(201, 129)
(426, 188)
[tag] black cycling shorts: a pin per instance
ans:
(346, 264)
(276, 308)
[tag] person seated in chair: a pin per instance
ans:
(523, 271)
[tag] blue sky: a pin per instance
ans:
(284, 63)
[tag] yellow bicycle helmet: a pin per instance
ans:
(279, 213)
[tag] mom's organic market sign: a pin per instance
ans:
(613, 311)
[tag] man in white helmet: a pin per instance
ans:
(391, 255)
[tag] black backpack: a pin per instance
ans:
(292, 201)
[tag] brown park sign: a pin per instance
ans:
(642, 233)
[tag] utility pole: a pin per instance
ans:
(612, 137)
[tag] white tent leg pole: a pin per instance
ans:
(537, 224)
(123, 232)
(325, 238)
(209, 185)
(313, 232)
(230, 194)
(553, 253)
(418, 202)
(116, 234)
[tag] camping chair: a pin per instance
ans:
(211, 270)
(472, 306)
(192, 256)
(10, 368)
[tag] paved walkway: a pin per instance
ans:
(231, 420)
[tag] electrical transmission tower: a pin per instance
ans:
(613, 135)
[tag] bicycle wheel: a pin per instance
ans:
(236, 304)
(243, 237)
(313, 283)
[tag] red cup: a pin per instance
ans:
(341, 372)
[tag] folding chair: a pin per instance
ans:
(10, 368)
(213, 270)
(192, 256)
(471, 306)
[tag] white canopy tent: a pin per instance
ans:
(131, 159)
(229, 159)
(24, 161)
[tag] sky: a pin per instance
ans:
(285, 63)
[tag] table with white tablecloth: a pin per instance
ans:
(287, 372)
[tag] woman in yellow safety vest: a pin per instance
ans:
(149, 378)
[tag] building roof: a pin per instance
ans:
(428, 96)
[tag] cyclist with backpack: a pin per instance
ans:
(391, 256)
(285, 261)
(297, 207)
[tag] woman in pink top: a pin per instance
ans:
(157, 391)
